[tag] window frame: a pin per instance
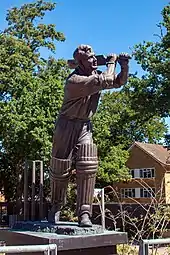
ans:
(124, 190)
(145, 173)
(147, 192)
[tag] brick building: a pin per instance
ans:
(149, 166)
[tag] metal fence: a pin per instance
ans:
(47, 249)
(144, 245)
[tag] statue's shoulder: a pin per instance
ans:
(71, 77)
(74, 77)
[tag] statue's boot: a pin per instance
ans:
(86, 166)
(59, 177)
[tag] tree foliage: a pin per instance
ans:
(22, 25)
(152, 92)
(31, 90)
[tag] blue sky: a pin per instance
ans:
(109, 26)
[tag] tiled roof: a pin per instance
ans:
(157, 151)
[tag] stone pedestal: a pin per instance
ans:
(70, 239)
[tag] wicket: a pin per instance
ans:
(26, 209)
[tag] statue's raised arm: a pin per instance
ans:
(86, 80)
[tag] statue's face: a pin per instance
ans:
(89, 62)
(86, 59)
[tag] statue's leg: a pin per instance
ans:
(59, 177)
(86, 166)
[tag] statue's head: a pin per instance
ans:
(85, 58)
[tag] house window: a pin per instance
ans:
(147, 173)
(150, 192)
(142, 173)
(132, 173)
(128, 192)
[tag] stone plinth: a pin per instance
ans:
(61, 228)
(88, 242)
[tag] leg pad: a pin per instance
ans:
(59, 177)
(86, 166)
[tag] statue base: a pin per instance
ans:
(70, 239)
(60, 228)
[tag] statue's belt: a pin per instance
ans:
(74, 119)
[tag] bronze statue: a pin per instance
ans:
(72, 141)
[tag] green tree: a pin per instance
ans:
(31, 91)
(151, 94)
(112, 167)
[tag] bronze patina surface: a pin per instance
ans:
(72, 141)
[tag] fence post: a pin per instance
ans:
(2, 243)
(103, 208)
(143, 248)
(41, 212)
(47, 252)
(100, 192)
(26, 191)
(33, 193)
(141, 252)
(54, 252)
(146, 249)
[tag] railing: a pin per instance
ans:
(144, 245)
(47, 248)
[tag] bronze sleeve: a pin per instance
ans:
(81, 86)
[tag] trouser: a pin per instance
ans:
(73, 142)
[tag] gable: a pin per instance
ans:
(155, 151)
(140, 159)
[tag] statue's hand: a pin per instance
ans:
(123, 58)
(112, 58)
